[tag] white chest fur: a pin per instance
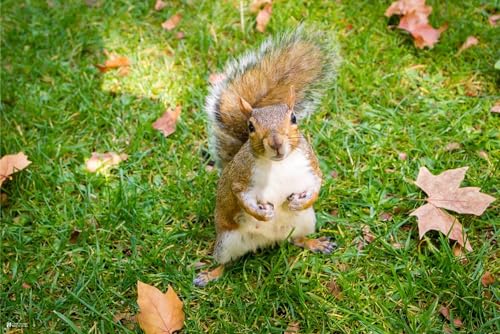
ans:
(274, 182)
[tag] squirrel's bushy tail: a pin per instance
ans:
(307, 60)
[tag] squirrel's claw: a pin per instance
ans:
(206, 276)
(320, 245)
(297, 201)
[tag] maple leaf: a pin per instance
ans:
(11, 164)
(114, 61)
(166, 124)
(444, 192)
(159, 312)
(415, 20)
(101, 162)
(264, 16)
(172, 22)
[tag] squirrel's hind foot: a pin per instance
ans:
(320, 245)
(206, 276)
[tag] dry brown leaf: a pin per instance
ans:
(101, 162)
(26, 285)
(469, 42)
(444, 192)
(385, 216)
(415, 20)
(159, 5)
(12, 163)
(452, 147)
(367, 234)
(166, 124)
(293, 328)
(180, 35)
(335, 289)
(73, 238)
(159, 312)
(172, 22)
(432, 218)
(487, 279)
(496, 108)
(114, 61)
(445, 312)
(494, 19)
(264, 16)
(256, 5)
(215, 78)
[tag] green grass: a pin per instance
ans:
(152, 218)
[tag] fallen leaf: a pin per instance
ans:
(452, 147)
(180, 35)
(159, 312)
(494, 19)
(12, 163)
(487, 279)
(335, 289)
(124, 317)
(172, 22)
(469, 42)
(101, 162)
(402, 156)
(166, 124)
(415, 20)
(159, 5)
(445, 312)
(26, 285)
(444, 192)
(256, 5)
(293, 328)
(114, 61)
(367, 234)
(73, 238)
(215, 78)
(385, 216)
(432, 218)
(458, 252)
(264, 16)
(496, 108)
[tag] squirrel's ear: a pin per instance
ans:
(290, 101)
(245, 107)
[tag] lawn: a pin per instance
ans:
(151, 219)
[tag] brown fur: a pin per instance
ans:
(266, 84)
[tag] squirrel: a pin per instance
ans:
(269, 174)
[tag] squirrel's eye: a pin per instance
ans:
(294, 119)
(251, 128)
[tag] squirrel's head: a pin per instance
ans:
(272, 130)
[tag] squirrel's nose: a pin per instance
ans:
(276, 142)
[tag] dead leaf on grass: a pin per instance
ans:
(114, 61)
(445, 312)
(172, 22)
(264, 16)
(293, 328)
(159, 5)
(385, 216)
(487, 279)
(101, 162)
(159, 312)
(256, 5)
(469, 42)
(166, 124)
(73, 238)
(415, 20)
(496, 108)
(494, 19)
(12, 163)
(335, 289)
(452, 147)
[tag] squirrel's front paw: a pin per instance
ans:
(265, 211)
(297, 201)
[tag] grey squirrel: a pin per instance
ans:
(269, 174)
